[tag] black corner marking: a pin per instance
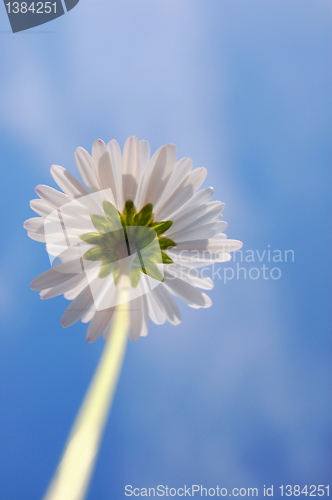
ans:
(70, 4)
(29, 14)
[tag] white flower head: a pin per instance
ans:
(139, 215)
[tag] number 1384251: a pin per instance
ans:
(310, 491)
(31, 8)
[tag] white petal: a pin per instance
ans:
(144, 152)
(204, 213)
(83, 207)
(41, 207)
(169, 305)
(116, 161)
(35, 224)
(89, 314)
(98, 150)
(212, 245)
(203, 252)
(145, 323)
(64, 287)
(179, 173)
(50, 278)
(192, 276)
(77, 308)
(200, 232)
(104, 168)
(67, 182)
(188, 293)
(138, 318)
(156, 175)
(199, 198)
(130, 168)
(51, 196)
(74, 292)
(156, 311)
(98, 324)
(145, 178)
(86, 168)
(37, 237)
(193, 262)
(212, 214)
(72, 224)
(105, 293)
(183, 193)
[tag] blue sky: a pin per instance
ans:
(237, 395)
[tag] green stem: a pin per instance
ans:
(74, 471)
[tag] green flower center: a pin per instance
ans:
(131, 233)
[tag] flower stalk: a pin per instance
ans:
(73, 474)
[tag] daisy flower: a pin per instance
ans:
(122, 246)
(146, 211)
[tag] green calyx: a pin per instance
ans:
(120, 235)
